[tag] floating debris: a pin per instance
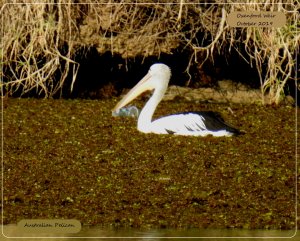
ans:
(130, 111)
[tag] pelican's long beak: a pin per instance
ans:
(142, 86)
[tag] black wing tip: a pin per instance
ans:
(170, 132)
(236, 132)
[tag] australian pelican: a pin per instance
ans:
(186, 123)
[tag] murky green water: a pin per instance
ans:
(90, 232)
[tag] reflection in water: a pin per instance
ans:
(157, 234)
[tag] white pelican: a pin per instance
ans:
(186, 123)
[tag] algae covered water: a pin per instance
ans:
(72, 159)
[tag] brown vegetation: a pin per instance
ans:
(40, 41)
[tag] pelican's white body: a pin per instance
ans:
(180, 124)
(192, 123)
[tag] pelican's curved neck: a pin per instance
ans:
(145, 117)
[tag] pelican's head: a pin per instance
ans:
(158, 77)
(161, 72)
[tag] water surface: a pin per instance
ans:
(91, 232)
